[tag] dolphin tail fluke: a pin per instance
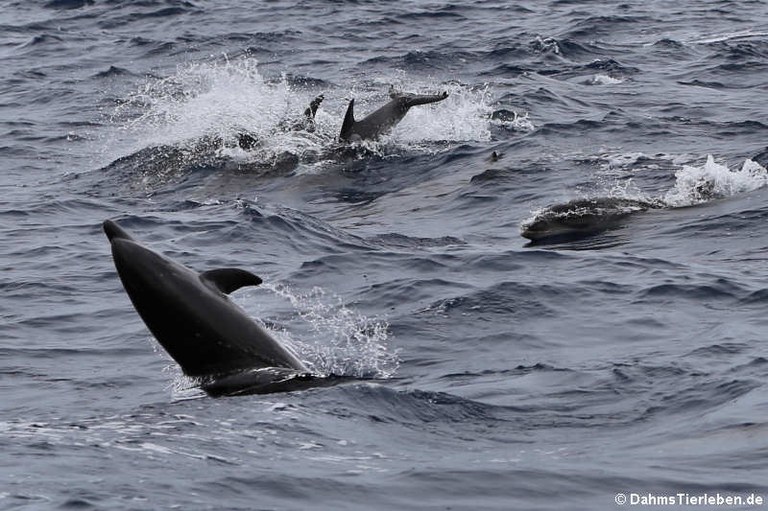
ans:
(347, 126)
(114, 231)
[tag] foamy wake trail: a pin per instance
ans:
(712, 180)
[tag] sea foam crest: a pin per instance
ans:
(712, 180)
(338, 340)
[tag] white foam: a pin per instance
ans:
(712, 180)
(547, 45)
(204, 99)
(601, 79)
(519, 122)
(729, 36)
(462, 117)
(624, 160)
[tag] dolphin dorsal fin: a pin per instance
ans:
(349, 121)
(228, 280)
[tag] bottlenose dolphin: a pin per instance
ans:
(210, 337)
(582, 217)
(385, 118)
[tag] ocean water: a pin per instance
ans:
(488, 373)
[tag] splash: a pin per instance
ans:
(339, 340)
(216, 100)
(627, 189)
(334, 340)
(512, 121)
(603, 79)
(462, 117)
(207, 99)
(545, 45)
(712, 180)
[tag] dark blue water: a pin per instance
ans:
(493, 374)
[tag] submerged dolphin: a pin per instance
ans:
(385, 118)
(582, 217)
(210, 337)
(248, 141)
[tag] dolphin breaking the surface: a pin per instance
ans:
(248, 141)
(374, 125)
(210, 337)
(385, 118)
(583, 217)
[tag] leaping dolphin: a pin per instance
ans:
(385, 118)
(210, 337)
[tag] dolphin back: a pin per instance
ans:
(582, 217)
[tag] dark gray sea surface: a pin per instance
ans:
(487, 372)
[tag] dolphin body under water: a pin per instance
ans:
(248, 141)
(210, 337)
(385, 118)
(580, 218)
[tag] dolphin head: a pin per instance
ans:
(139, 268)
(114, 231)
(159, 290)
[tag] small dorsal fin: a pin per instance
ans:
(349, 122)
(228, 280)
